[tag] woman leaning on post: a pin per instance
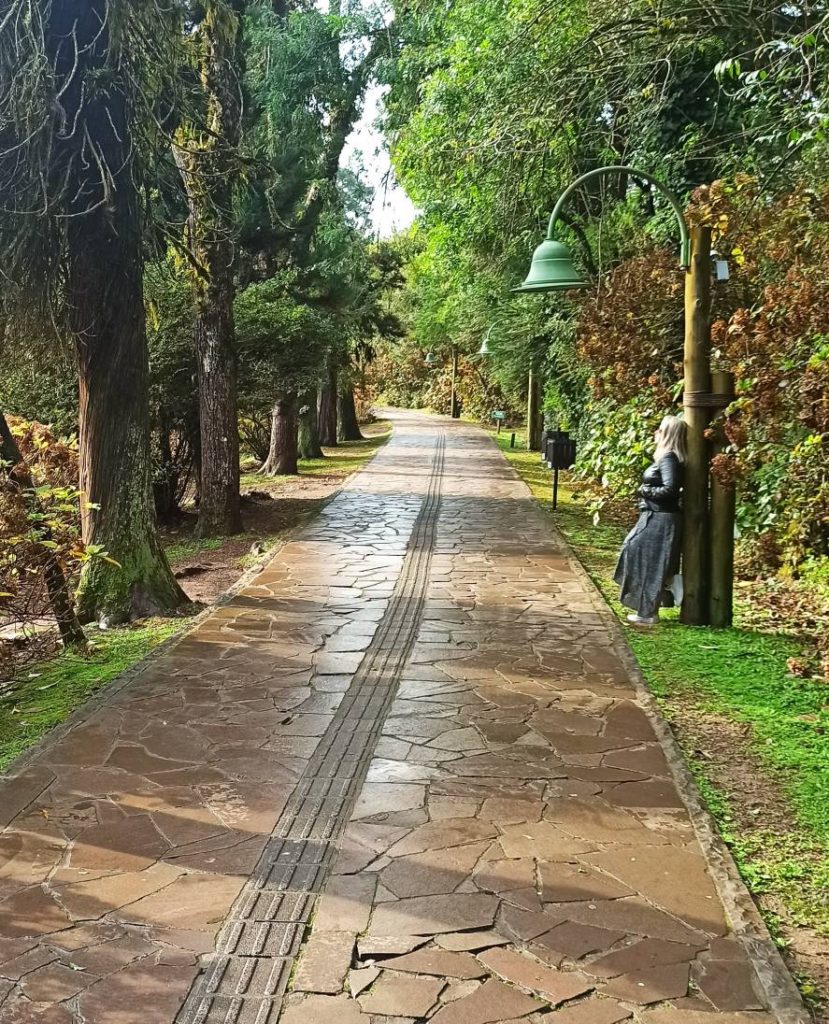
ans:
(649, 559)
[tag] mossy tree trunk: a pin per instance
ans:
(309, 438)
(283, 455)
(349, 426)
(207, 159)
(104, 296)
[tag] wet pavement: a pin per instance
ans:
(402, 775)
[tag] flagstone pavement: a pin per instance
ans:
(402, 775)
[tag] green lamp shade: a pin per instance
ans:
(552, 270)
(484, 349)
(430, 359)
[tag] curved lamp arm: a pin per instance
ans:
(492, 327)
(685, 238)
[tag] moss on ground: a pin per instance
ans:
(47, 693)
(740, 677)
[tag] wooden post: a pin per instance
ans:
(696, 547)
(723, 508)
(533, 412)
(454, 411)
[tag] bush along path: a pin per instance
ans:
(754, 731)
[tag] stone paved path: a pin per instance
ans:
(402, 776)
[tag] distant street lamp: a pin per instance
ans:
(552, 269)
(485, 350)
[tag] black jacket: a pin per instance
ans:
(661, 485)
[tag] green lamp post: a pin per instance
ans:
(552, 266)
(706, 576)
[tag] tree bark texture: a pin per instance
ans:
(309, 438)
(349, 427)
(328, 407)
(57, 587)
(283, 455)
(104, 294)
(208, 161)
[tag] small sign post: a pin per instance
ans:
(499, 418)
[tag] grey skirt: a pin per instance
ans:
(649, 560)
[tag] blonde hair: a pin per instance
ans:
(672, 429)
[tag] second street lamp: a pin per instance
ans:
(552, 269)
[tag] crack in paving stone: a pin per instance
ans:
(243, 983)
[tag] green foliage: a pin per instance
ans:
(174, 399)
(281, 344)
(40, 388)
(495, 107)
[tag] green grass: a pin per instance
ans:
(47, 693)
(741, 675)
(187, 548)
(346, 458)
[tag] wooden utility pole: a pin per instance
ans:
(723, 508)
(454, 410)
(533, 412)
(696, 549)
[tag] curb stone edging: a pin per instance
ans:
(776, 983)
(123, 679)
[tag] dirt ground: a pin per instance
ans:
(206, 573)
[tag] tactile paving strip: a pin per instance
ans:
(246, 979)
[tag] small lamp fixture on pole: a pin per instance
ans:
(485, 350)
(430, 360)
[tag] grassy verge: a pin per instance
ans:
(737, 712)
(44, 694)
(339, 462)
(47, 693)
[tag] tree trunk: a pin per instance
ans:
(219, 510)
(207, 161)
(349, 427)
(283, 455)
(328, 407)
(104, 295)
(166, 480)
(57, 587)
(309, 438)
